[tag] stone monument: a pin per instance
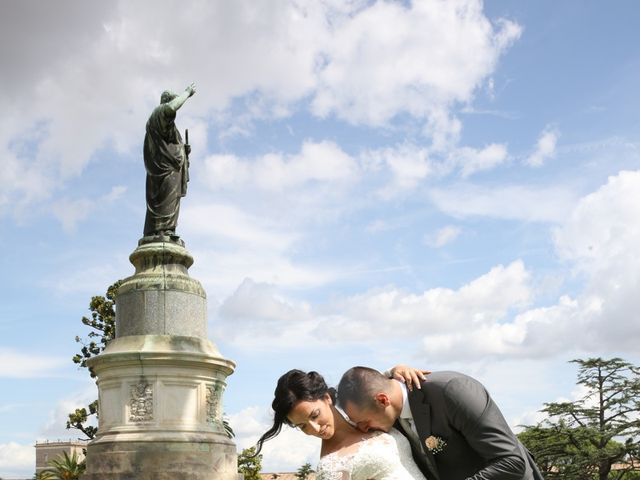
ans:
(160, 380)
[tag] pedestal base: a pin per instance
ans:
(126, 460)
(160, 400)
(160, 381)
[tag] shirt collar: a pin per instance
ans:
(345, 416)
(406, 409)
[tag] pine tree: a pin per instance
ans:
(587, 437)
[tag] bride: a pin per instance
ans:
(304, 401)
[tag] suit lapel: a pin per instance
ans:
(421, 412)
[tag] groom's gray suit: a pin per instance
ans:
(479, 443)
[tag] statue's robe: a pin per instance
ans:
(167, 171)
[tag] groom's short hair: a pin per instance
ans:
(359, 385)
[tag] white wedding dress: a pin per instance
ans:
(384, 456)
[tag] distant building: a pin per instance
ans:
(285, 476)
(48, 450)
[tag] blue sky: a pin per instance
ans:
(449, 184)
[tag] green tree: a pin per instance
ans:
(64, 467)
(304, 471)
(549, 448)
(103, 330)
(585, 438)
(250, 464)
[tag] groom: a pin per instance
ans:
(455, 430)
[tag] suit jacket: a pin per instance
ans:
(479, 443)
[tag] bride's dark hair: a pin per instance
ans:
(293, 387)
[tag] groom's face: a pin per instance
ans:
(378, 416)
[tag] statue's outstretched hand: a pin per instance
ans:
(191, 89)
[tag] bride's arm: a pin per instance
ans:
(328, 474)
(331, 467)
(408, 375)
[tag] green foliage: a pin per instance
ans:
(250, 464)
(79, 418)
(103, 325)
(64, 467)
(304, 471)
(596, 436)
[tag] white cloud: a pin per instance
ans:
(322, 165)
(261, 241)
(15, 364)
(233, 224)
(17, 459)
(73, 105)
(443, 236)
(407, 164)
(390, 312)
(86, 276)
(603, 225)
(491, 315)
(600, 240)
(226, 171)
(220, 272)
(267, 314)
(516, 202)
(378, 225)
(417, 58)
(115, 194)
(534, 333)
(71, 212)
(545, 148)
(316, 162)
(364, 62)
(531, 417)
(378, 315)
(56, 424)
(473, 160)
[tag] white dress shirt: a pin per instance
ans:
(405, 413)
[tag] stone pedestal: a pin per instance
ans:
(160, 381)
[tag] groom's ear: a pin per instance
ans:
(382, 399)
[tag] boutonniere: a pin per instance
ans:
(435, 444)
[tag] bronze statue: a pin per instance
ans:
(166, 159)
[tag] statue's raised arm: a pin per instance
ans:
(165, 159)
(178, 100)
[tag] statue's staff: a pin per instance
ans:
(187, 147)
(185, 170)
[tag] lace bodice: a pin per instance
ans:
(385, 456)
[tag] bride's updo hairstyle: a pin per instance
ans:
(293, 387)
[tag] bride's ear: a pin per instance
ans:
(328, 399)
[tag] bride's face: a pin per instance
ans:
(314, 417)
